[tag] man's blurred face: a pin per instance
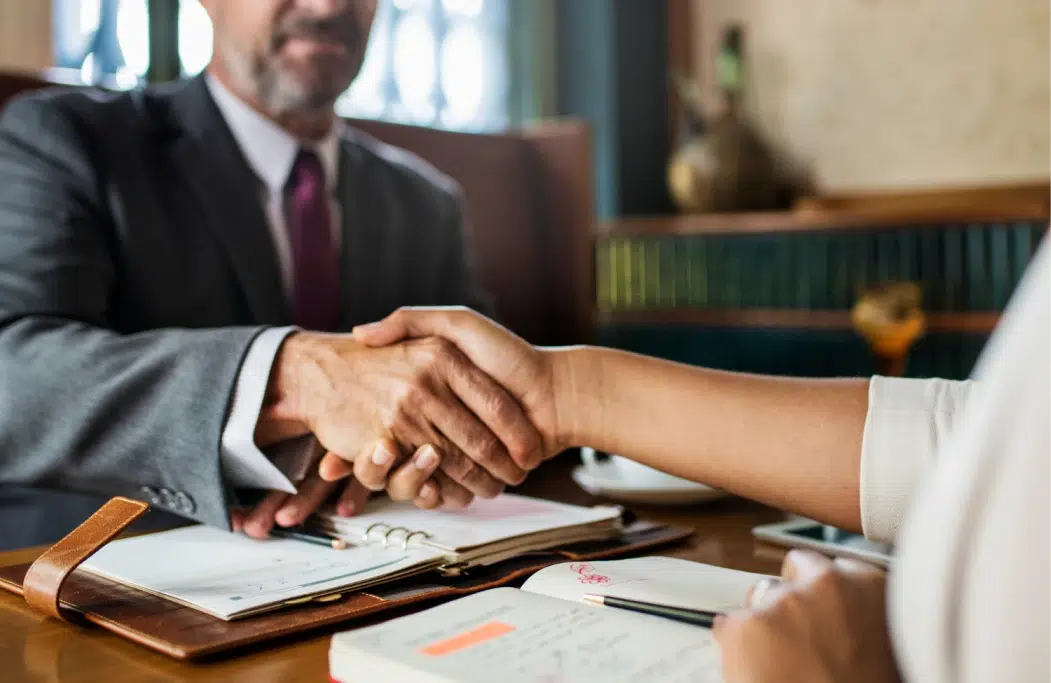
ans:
(292, 55)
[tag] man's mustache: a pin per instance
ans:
(336, 29)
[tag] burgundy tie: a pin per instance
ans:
(315, 258)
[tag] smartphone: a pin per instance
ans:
(805, 533)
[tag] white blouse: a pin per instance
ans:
(957, 474)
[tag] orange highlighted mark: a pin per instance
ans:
(494, 629)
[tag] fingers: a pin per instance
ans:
(409, 322)
(763, 592)
(852, 566)
(429, 496)
(352, 500)
(464, 427)
(409, 480)
(804, 565)
(452, 494)
(333, 468)
(237, 519)
(261, 519)
(373, 466)
(520, 448)
(312, 493)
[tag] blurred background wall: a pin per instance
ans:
(892, 94)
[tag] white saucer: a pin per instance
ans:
(679, 492)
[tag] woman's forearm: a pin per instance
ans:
(791, 443)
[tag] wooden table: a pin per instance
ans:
(33, 648)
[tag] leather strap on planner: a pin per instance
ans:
(45, 577)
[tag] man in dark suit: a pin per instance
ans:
(173, 262)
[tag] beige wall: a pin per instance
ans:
(25, 35)
(885, 94)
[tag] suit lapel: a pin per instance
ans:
(365, 284)
(211, 162)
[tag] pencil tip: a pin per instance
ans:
(594, 599)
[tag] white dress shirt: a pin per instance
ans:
(270, 152)
(958, 474)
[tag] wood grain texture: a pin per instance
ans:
(34, 648)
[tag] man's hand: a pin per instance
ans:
(376, 405)
(285, 510)
(410, 481)
(826, 623)
(523, 370)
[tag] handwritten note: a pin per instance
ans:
(665, 580)
(534, 639)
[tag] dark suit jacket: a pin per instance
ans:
(136, 268)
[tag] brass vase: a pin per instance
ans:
(721, 165)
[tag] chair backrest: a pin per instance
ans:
(529, 202)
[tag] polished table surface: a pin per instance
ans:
(33, 648)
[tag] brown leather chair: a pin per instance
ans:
(529, 200)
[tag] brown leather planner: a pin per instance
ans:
(54, 586)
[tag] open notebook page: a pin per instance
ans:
(228, 575)
(664, 580)
(483, 522)
(516, 637)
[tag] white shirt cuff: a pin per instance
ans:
(907, 421)
(244, 465)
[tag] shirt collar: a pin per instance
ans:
(269, 149)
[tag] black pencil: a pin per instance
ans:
(309, 537)
(695, 617)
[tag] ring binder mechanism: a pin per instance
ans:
(488, 531)
(409, 533)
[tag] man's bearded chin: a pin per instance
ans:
(281, 91)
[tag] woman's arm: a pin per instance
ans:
(791, 443)
(848, 452)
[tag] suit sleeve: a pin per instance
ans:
(83, 407)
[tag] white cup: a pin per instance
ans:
(629, 473)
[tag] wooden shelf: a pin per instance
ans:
(804, 221)
(981, 322)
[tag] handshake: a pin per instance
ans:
(436, 406)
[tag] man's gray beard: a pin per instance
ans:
(279, 93)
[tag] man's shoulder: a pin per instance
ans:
(408, 172)
(85, 108)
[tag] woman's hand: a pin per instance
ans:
(824, 623)
(523, 370)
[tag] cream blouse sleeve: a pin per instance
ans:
(907, 421)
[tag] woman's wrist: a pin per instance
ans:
(576, 380)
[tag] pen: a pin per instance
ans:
(309, 537)
(696, 617)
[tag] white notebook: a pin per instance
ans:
(232, 576)
(484, 532)
(544, 632)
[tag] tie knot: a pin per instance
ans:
(307, 170)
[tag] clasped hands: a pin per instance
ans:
(436, 406)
